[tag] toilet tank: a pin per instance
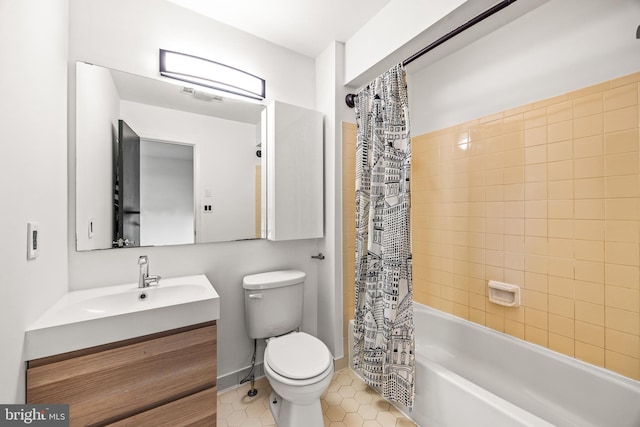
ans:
(273, 302)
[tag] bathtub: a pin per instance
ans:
(470, 375)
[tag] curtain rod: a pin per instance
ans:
(351, 98)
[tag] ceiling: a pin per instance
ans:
(304, 26)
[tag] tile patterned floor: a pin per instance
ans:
(348, 402)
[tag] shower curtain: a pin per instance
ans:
(383, 332)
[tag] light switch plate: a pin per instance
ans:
(33, 240)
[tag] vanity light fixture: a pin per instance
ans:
(211, 74)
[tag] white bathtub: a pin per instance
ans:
(470, 375)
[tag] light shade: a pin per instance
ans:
(203, 72)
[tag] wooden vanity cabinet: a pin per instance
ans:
(168, 378)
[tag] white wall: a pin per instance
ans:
(126, 35)
(33, 170)
(395, 25)
(559, 47)
(330, 99)
(99, 128)
(167, 188)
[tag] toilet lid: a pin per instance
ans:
(298, 356)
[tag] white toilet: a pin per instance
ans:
(299, 366)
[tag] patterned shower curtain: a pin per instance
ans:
(383, 333)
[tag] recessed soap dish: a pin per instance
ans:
(504, 294)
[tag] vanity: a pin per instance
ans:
(123, 355)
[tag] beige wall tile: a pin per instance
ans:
(562, 286)
(560, 112)
(589, 292)
(589, 188)
(560, 151)
(513, 140)
(622, 275)
(535, 209)
(588, 125)
(588, 167)
(477, 316)
(535, 136)
(622, 320)
(590, 209)
(512, 123)
(562, 209)
(558, 190)
(560, 248)
(622, 298)
(562, 267)
(514, 328)
(623, 343)
(589, 250)
(589, 333)
(551, 101)
(589, 312)
(561, 170)
(561, 306)
(622, 231)
(536, 300)
(589, 229)
(535, 118)
(561, 228)
(535, 173)
(561, 325)
(588, 146)
(494, 322)
(536, 282)
(561, 344)
(621, 164)
(623, 208)
(536, 335)
(625, 365)
(560, 131)
(546, 196)
(515, 277)
(621, 119)
(591, 271)
(621, 96)
(622, 253)
(621, 142)
(589, 353)
(624, 80)
(588, 105)
(622, 186)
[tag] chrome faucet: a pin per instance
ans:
(144, 279)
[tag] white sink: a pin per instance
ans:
(86, 318)
(141, 299)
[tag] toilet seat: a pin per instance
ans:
(298, 356)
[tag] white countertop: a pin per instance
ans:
(91, 317)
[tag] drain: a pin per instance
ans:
(142, 296)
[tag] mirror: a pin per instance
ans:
(163, 164)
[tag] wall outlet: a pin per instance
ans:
(33, 242)
(207, 208)
(90, 228)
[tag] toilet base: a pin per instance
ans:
(287, 414)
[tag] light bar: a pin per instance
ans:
(211, 74)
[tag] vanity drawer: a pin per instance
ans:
(196, 410)
(107, 385)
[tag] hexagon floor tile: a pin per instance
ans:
(348, 402)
